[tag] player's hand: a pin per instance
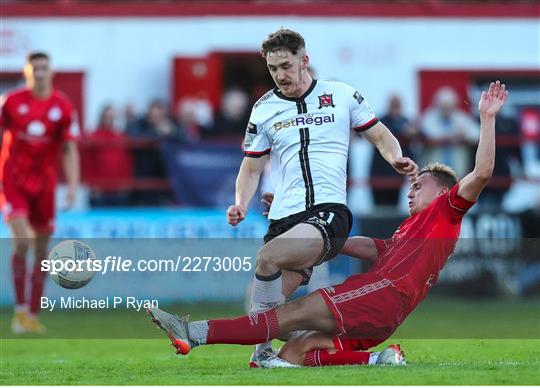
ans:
(71, 196)
(492, 100)
(236, 214)
(267, 199)
(405, 166)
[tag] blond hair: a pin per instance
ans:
(443, 174)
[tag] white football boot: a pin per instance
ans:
(268, 359)
(392, 355)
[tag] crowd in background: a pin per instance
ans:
(125, 146)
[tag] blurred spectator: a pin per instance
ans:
(451, 130)
(155, 127)
(524, 195)
(194, 115)
(130, 117)
(156, 124)
(233, 115)
(106, 162)
(506, 156)
(405, 131)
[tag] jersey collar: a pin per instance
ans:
(301, 98)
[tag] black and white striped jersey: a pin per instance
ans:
(308, 141)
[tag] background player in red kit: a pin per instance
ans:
(367, 308)
(38, 123)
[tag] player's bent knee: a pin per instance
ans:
(22, 245)
(271, 257)
(266, 260)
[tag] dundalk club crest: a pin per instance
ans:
(326, 100)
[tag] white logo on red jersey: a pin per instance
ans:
(8, 208)
(74, 129)
(22, 109)
(55, 113)
(35, 128)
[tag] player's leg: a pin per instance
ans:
(38, 281)
(22, 236)
(295, 349)
(38, 276)
(320, 349)
(308, 313)
(42, 221)
(291, 282)
(364, 305)
(298, 248)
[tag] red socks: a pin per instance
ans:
(251, 329)
(38, 282)
(321, 357)
(18, 266)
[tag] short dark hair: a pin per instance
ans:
(37, 55)
(443, 174)
(283, 39)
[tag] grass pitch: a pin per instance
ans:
(443, 360)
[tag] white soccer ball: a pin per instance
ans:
(69, 264)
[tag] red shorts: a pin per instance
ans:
(38, 207)
(367, 310)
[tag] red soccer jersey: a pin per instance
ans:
(38, 127)
(413, 257)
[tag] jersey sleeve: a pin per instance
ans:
(456, 206)
(362, 116)
(256, 142)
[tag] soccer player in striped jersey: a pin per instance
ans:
(303, 125)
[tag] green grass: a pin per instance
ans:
(432, 358)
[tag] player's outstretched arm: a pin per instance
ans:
(246, 185)
(490, 103)
(387, 144)
(360, 247)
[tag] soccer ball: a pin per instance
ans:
(70, 264)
